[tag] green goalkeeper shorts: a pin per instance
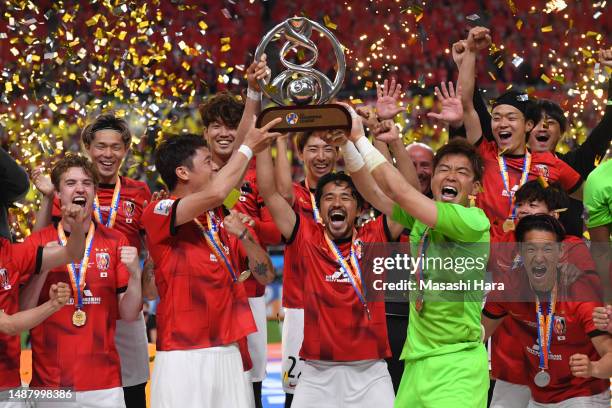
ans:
(458, 379)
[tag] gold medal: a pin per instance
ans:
(508, 225)
(244, 275)
(79, 318)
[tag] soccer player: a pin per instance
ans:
(345, 337)
(508, 163)
(598, 203)
(225, 120)
(446, 363)
(511, 389)
(118, 204)
(75, 347)
(553, 323)
(17, 263)
(203, 310)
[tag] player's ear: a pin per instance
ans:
(476, 188)
(182, 173)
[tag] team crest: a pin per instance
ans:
(560, 326)
(542, 170)
(4, 280)
(128, 209)
(103, 261)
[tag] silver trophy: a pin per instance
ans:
(301, 90)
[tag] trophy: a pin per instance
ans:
(301, 91)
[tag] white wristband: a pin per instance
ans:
(246, 150)
(254, 95)
(371, 156)
(352, 158)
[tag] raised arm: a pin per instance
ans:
(467, 78)
(213, 194)
(389, 133)
(281, 211)
(282, 170)
(130, 301)
(43, 183)
(260, 263)
(582, 366)
(252, 106)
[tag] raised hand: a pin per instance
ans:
(259, 139)
(245, 219)
(605, 57)
(129, 257)
(356, 123)
(452, 109)
(233, 224)
(369, 116)
(74, 216)
(256, 71)
(59, 293)
(458, 50)
(386, 132)
(387, 99)
(159, 195)
(479, 38)
(42, 181)
(601, 318)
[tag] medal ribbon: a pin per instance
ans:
(423, 245)
(211, 235)
(77, 279)
(313, 203)
(503, 169)
(545, 325)
(352, 270)
(112, 213)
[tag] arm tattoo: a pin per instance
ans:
(260, 269)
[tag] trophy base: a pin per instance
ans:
(305, 118)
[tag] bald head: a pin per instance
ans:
(422, 157)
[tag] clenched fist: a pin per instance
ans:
(59, 294)
(129, 257)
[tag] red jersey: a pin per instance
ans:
(572, 331)
(494, 199)
(292, 276)
(506, 353)
(82, 358)
(17, 263)
(336, 326)
(134, 197)
(200, 305)
(252, 204)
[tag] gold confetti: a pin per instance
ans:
(519, 24)
(545, 78)
(328, 23)
(547, 29)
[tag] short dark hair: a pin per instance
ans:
(73, 160)
(553, 110)
(301, 139)
(463, 147)
(107, 121)
(176, 151)
(553, 196)
(222, 106)
(539, 222)
(338, 178)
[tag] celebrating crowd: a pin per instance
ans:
(497, 190)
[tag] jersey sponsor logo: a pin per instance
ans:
(535, 350)
(4, 280)
(213, 258)
(542, 170)
(103, 261)
(338, 276)
(163, 207)
(88, 298)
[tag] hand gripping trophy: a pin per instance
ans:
(302, 84)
